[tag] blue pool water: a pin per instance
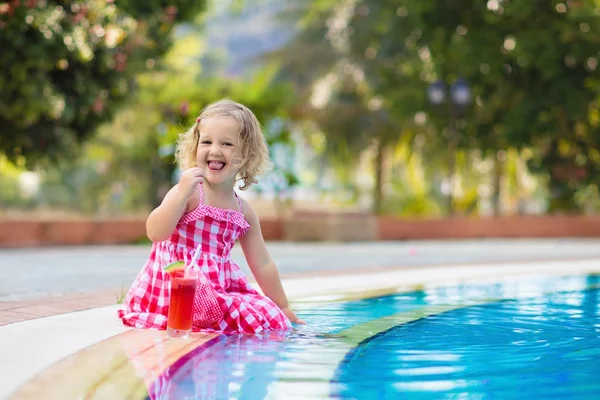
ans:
(536, 338)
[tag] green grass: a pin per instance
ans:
(121, 295)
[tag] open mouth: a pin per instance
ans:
(216, 165)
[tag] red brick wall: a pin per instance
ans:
(28, 233)
(505, 227)
(20, 233)
(272, 229)
(31, 233)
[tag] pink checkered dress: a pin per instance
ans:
(224, 301)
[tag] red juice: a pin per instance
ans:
(183, 290)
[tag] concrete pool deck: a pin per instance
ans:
(68, 354)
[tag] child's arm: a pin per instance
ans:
(262, 265)
(162, 221)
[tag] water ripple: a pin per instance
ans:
(540, 344)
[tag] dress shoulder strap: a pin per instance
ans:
(201, 192)
(239, 203)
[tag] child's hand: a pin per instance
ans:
(190, 178)
(292, 316)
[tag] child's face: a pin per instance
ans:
(218, 148)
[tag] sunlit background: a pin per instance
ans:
(397, 107)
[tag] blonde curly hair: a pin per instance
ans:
(253, 153)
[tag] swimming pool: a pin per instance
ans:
(536, 336)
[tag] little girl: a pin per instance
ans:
(203, 214)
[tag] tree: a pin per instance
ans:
(339, 86)
(68, 65)
(532, 67)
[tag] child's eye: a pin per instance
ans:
(205, 142)
(228, 144)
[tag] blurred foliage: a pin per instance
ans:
(11, 195)
(353, 80)
(531, 67)
(67, 65)
(129, 165)
(344, 103)
(112, 174)
(533, 70)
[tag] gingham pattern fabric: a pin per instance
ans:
(222, 283)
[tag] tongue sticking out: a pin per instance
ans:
(216, 165)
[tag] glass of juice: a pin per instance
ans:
(183, 290)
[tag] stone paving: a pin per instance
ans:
(48, 281)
